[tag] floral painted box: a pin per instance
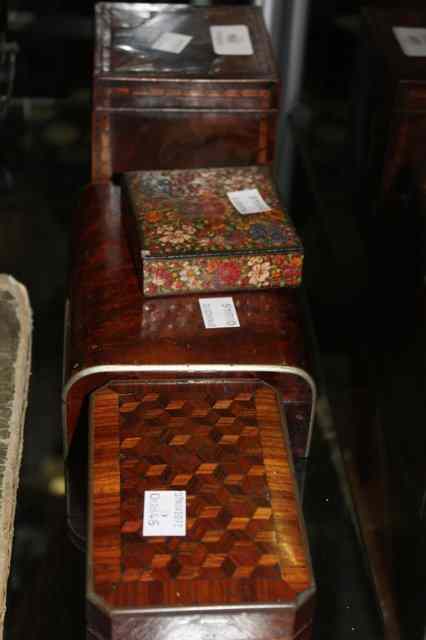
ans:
(190, 231)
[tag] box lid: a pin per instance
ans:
(186, 213)
(127, 43)
(392, 30)
(134, 70)
(222, 443)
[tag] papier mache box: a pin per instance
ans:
(207, 230)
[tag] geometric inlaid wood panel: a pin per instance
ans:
(224, 444)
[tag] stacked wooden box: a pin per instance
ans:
(154, 109)
(172, 405)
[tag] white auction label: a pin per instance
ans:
(171, 42)
(219, 313)
(412, 40)
(164, 513)
(248, 201)
(231, 40)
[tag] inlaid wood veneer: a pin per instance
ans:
(242, 570)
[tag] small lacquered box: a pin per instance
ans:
(209, 230)
(195, 528)
(171, 93)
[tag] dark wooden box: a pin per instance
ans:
(156, 110)
(112, 332)
(240, 568)
(391, 107)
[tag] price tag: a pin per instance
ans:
(248, 201)
(219, 313)
(171, 42)
(164, 513)
(231, 40)
(412, 40)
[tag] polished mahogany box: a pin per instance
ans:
(203, 230)
(113, 332)
(390, 133)
(157, 105)
(195, 527)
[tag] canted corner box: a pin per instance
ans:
(225, 555)
(391, 109)
(179, 108)
(187, 236)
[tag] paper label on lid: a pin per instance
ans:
(231, 40)
(219, 313)
(171, 42)
(248, 201)
(412, 40)
(164, 513)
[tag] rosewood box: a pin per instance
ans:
(156, 108)
(187, 236)
(390, 136)
(195, 527)
(112, 331)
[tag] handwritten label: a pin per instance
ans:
(248, 201)
(412, 40)
(231, 40)
(219, 313)
(164, 513)
(171, 42)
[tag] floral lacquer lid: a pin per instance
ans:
(186, 221)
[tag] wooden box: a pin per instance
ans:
(160, 110)
(112, 331)
(391, 106)
(239, 566)
(187, 236)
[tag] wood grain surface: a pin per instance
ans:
(392, 103)
(131, 140)
(112, 63)
(160, 111)
(223, 443)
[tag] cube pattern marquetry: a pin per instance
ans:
(221, 443)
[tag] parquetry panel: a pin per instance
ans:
(223, 444)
